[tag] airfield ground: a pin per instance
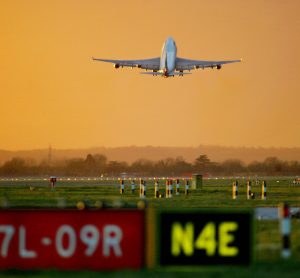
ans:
(215, 193)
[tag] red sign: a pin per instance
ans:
(69, 239)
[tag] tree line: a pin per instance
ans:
(98, 165)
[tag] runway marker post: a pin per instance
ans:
(144, 189)
(141, 188)
(264, 190)
(187, 185)
(171, 188)
(235, 190)
(122, 186)
(285, 228)
(248, 190)
(156, 189)
(167, 188)
(53, 180)
(132, 187)
(177, 186)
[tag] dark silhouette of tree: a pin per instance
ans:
(273, 165)
(233, 167)
(116, 168)
(101, 160)
(90, 165)
(202, 164)
(14, 167)
(75, 167)
(256, 167)
(143, 167)
(97, 164)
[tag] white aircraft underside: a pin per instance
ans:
(168, 64)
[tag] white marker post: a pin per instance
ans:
(285, 223)
(156, 189)
(132, 187)
(122, 186)
(187, 185)
(144, 189)
(248, 190)
(177, 186)
(167, 189)
(171, 188)
(235, 190)
(141, 188)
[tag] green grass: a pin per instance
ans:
(215, 193)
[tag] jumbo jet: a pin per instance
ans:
(168, 64)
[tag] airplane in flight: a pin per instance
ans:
(168, 64)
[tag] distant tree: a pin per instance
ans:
(233, 167)
(90, 166)
(116, 167)
(97, 164)
(143, 167)
(181, 166)
(75, 167)
(273, 165)
(202, 163)
(14, 167)
(256, 167)
(101, 161)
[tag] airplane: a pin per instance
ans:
(168, 64)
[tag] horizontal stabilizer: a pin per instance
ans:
(181, 73)
(152, 73)
(162, 74)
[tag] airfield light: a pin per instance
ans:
(80, 205)
(141, 204)
(99, 204)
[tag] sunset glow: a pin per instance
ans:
(53, 93)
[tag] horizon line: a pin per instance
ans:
(149, 146)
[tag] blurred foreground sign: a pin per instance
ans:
(97, 240)
(204, 237)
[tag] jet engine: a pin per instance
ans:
(219, 67)
(116, 66)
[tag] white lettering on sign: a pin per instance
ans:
(112, 237)
(89, 235)
(8, 231)
(66, 240)
(65, 230)
(23, 252)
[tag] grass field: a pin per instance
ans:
(215, 193)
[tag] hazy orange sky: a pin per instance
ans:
(53, 93)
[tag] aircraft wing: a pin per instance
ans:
(148, 64)
(187, 64)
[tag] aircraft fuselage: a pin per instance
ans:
(168, 57)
